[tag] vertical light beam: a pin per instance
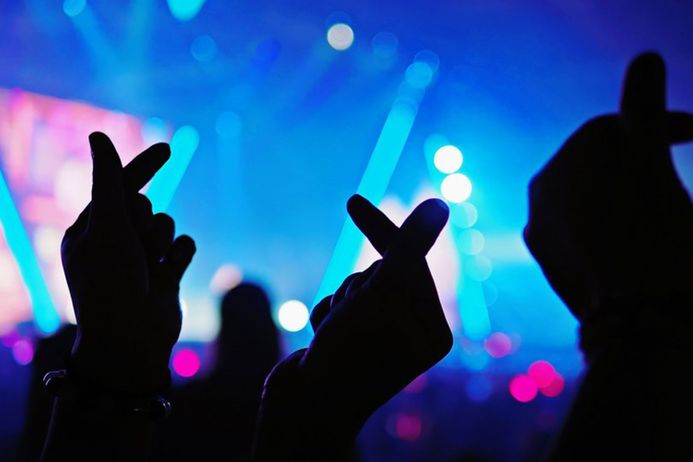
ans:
(373, 185)
(45, 314)
(162, 188)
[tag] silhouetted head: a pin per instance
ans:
(248, 341)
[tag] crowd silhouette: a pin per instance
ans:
(609, 191)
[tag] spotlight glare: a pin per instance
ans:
(456, 188)
(340, 36)
(448, 159)
(293, 315)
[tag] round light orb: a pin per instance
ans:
(456, 188)
(74, 7)
(448, 159)
(203, 48)
(340, 36)
(293, 315)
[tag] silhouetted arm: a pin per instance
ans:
(123, 268)
(379, 331)
(611, 226)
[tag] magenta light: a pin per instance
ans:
(523, 388)
(186, 363)
(498, 345)
(23, 352)
(408, 427)
(542, 372)
(555, 387)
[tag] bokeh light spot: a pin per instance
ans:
(471, 241)
(498, 345)
(408, 427)
(186, 363)
(456, 188)
(23, 352)
(293, 315)
(340, 36)
(74, 7)
(542, 372)
(555, 387)
(419, 74)
(478, 267)
(385, 45)
(463, 215)
(523, 388)
(448, 159)
(203, 48)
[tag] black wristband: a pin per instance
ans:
(60, 383)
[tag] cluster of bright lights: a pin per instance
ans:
(340, 36)
(293, 315)
(541, 377)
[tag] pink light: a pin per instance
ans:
(408, 427)
(23, 352)
(417, 385)
(542, 372)
(186, 363)
(523, 388)
(555, 387)
(498, 345)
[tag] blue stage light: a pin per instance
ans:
(74, 7)
(228, 125)
(419, 74)
(164, 185)
(203, 48)
(45, 314)
(185, 10)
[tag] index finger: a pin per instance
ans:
(144, 166)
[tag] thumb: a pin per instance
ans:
(373, 223)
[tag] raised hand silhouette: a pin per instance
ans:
(379, 331)
(610, 222)
(123, 267)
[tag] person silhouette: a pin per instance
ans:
(214, 417)
(596, 210)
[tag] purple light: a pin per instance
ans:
(23, 352)
(408, 427)
(498, 345)
(186, 363)
(523, 388)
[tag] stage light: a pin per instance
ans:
(463, 215)
(74, 7)
(523, 388)
(448, 159)
(471, 241)
(23, 352)
(498, 345)
(293, 315)
(555, 387)
(478, 388)
(203, 48)
(185, 10)
(186, 363)
(340, 36)
(456, 188)
(384, 45)
(162, 188)
(19, 244)
(542, 372)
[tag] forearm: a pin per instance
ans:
(81, 432)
